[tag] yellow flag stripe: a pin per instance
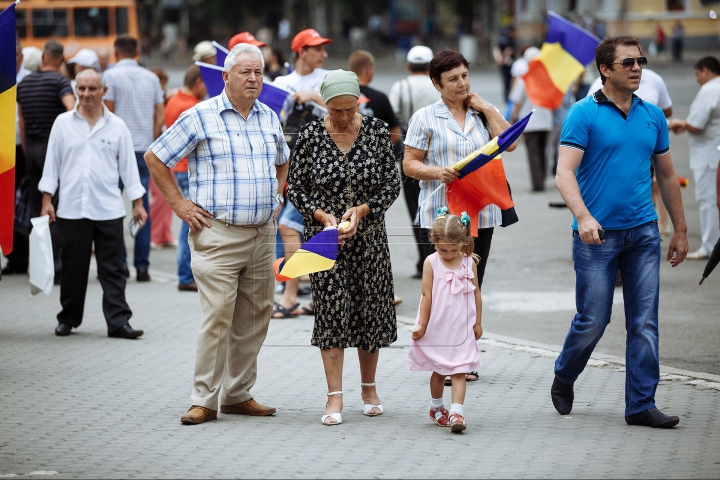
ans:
(562, 67)
(7, 129)
(304, 262)
(488, 149)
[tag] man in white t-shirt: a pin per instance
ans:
(407, 96)
(305, 105)
(703, 127)
(652, 89)
(538, 129)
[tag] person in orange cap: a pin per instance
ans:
(245, 37)
(304, 106)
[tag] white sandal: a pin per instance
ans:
(335, 416)
(367, 408)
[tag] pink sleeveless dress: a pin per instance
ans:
(449, 344)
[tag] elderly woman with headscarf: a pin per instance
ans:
(343, 169)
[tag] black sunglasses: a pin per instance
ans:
(628, 63)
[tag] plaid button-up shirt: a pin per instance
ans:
(135, 91)
(231, 160)
(434, 129)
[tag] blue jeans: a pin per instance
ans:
(142, 239)
(637, 252)
(185, 274)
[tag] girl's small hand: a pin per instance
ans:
(478, 331)
(418, 332)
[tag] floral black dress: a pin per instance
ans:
(354, 301)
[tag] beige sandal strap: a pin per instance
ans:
(367, 384)
(339, 392)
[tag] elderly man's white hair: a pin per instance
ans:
(92, 71)
(240, 48)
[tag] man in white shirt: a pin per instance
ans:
(407, 96)
(304, 106)
(89, 151)
(703, 127)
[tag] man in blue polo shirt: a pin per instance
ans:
(610, 143)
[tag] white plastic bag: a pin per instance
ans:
(42, 266)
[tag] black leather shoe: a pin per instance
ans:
(562, 396)
(125, 271)
(63, 329)
(143, 275)
(654, 418)
(126, 331)
(8, 270)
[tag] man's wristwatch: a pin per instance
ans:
(279, 197)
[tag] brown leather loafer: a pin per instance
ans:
(248, 407)
(188, 287)
(198, 415)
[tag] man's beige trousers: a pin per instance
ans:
(232, 266)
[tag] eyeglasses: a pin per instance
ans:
(628, 63)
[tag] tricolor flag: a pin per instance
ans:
(272, 96)
(7, 127)
(563, 56)
(221, 54)
(316, 255)
(479, 187)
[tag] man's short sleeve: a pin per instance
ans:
(417, 135)
(576, 127)
(110, 95)
(177, 141)
(517, 94)
(662, 145)
(664, 100)
(700, 111)
(64, 87)
(159, 95)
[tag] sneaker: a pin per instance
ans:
(443, 419)
(696, 255)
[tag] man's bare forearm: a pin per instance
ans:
(570, 192)
(162, 176)
(281, 173)
(672, 198)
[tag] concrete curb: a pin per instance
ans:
(667, 374)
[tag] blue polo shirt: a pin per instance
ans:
(614, 175)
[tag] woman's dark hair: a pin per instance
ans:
(711, 63)
(605, 52)
(445, 61)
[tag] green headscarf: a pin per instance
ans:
(339, 82)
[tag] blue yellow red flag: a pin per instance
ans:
(7, 127)
(563, 56)
(316, 255)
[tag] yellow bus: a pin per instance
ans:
(77, 24)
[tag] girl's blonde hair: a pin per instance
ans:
(450, 229)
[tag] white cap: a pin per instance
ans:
(531, 53)
(203, 50)
(86, 58)
(419, 54)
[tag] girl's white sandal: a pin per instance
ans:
(367, 408)
(335, 416)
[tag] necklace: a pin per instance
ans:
(352, 139)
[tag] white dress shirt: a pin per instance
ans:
(705, 115)
(88, 165)
(22, 73)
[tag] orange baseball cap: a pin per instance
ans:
(308, 38)
(245, 37)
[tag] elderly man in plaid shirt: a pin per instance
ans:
(237, 166)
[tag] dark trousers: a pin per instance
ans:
(482, 248)
(79, 236)
(506, 80)
(411, 192)
(536, 143)
(142, 239)
(18, 258)
(35, 150)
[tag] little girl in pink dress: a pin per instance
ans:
(448, 323)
